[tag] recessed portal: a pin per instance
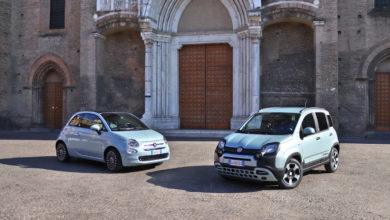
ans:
(206, 86)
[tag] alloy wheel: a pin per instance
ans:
(334, 160)
(292, 174)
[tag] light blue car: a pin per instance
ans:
(278, 145)
(118, 139)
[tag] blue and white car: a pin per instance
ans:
(278, 145)
(118, 139)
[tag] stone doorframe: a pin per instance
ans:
(162, 74)
(162, 45)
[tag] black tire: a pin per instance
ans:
(333, 164)
(113, 160)
(292, 175)
(62, 152)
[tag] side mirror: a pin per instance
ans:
(97, 128)
(308, 131)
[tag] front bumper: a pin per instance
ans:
(252, 169)
(146, 155)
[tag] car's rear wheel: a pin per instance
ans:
(292, 174)
(113, 160)
(62, 152)
(333, 161)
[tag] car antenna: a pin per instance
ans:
(305, 103)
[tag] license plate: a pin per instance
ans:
(155, 152)
(237, 163)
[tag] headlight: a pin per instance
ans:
(132, 143)
(221, 144)
(131, 151)
(219, 149)
(269, 148)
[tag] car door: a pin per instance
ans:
(311, 150)
(91, 142)
(73, 134)
(325, 143)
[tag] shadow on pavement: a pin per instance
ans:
(27, 135)
(202, 179)
(73, 165)
(365, 140)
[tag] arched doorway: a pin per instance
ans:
(52, 86)
(382, 96)
(53, 99)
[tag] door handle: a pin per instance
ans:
(330, 134)
(318, 138)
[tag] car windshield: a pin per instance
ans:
(123, 122)
(271, 124)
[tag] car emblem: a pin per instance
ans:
(239, 150)
(154, 144)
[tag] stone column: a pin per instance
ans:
(318, 29)
(255, 33)
(94, 65)
(326, 52)
(148, 80)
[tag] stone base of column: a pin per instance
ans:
(161, 123)
(236, 122)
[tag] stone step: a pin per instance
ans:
(203, 133)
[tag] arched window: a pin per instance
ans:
(382, 3)
(57, 14)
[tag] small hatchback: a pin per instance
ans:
(278, 145)
(118, 139)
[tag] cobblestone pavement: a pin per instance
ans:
(35, 186)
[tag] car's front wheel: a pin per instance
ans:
(113, 160)
(62, 152)
(333, 161)
(292, 174)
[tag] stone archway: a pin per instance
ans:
(372, 70)
(165, 33)
(50, 79)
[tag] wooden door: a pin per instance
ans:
(382, 101)
(53, 104)
(206, 86)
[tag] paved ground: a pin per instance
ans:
(34, 185)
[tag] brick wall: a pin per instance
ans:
(288, 68)
(5, 17)
(122, 85)
(360, 31)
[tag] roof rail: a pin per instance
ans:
(268, 108)
(319, 108)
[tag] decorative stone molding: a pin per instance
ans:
(43, 64)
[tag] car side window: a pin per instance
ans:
(87, 120)
(308, 121)
(76, 120)
(330, 121)
(322, 123)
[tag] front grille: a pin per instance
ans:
(153, 157)
(233, 150)
(242, 173)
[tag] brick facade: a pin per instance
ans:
(126, 59)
